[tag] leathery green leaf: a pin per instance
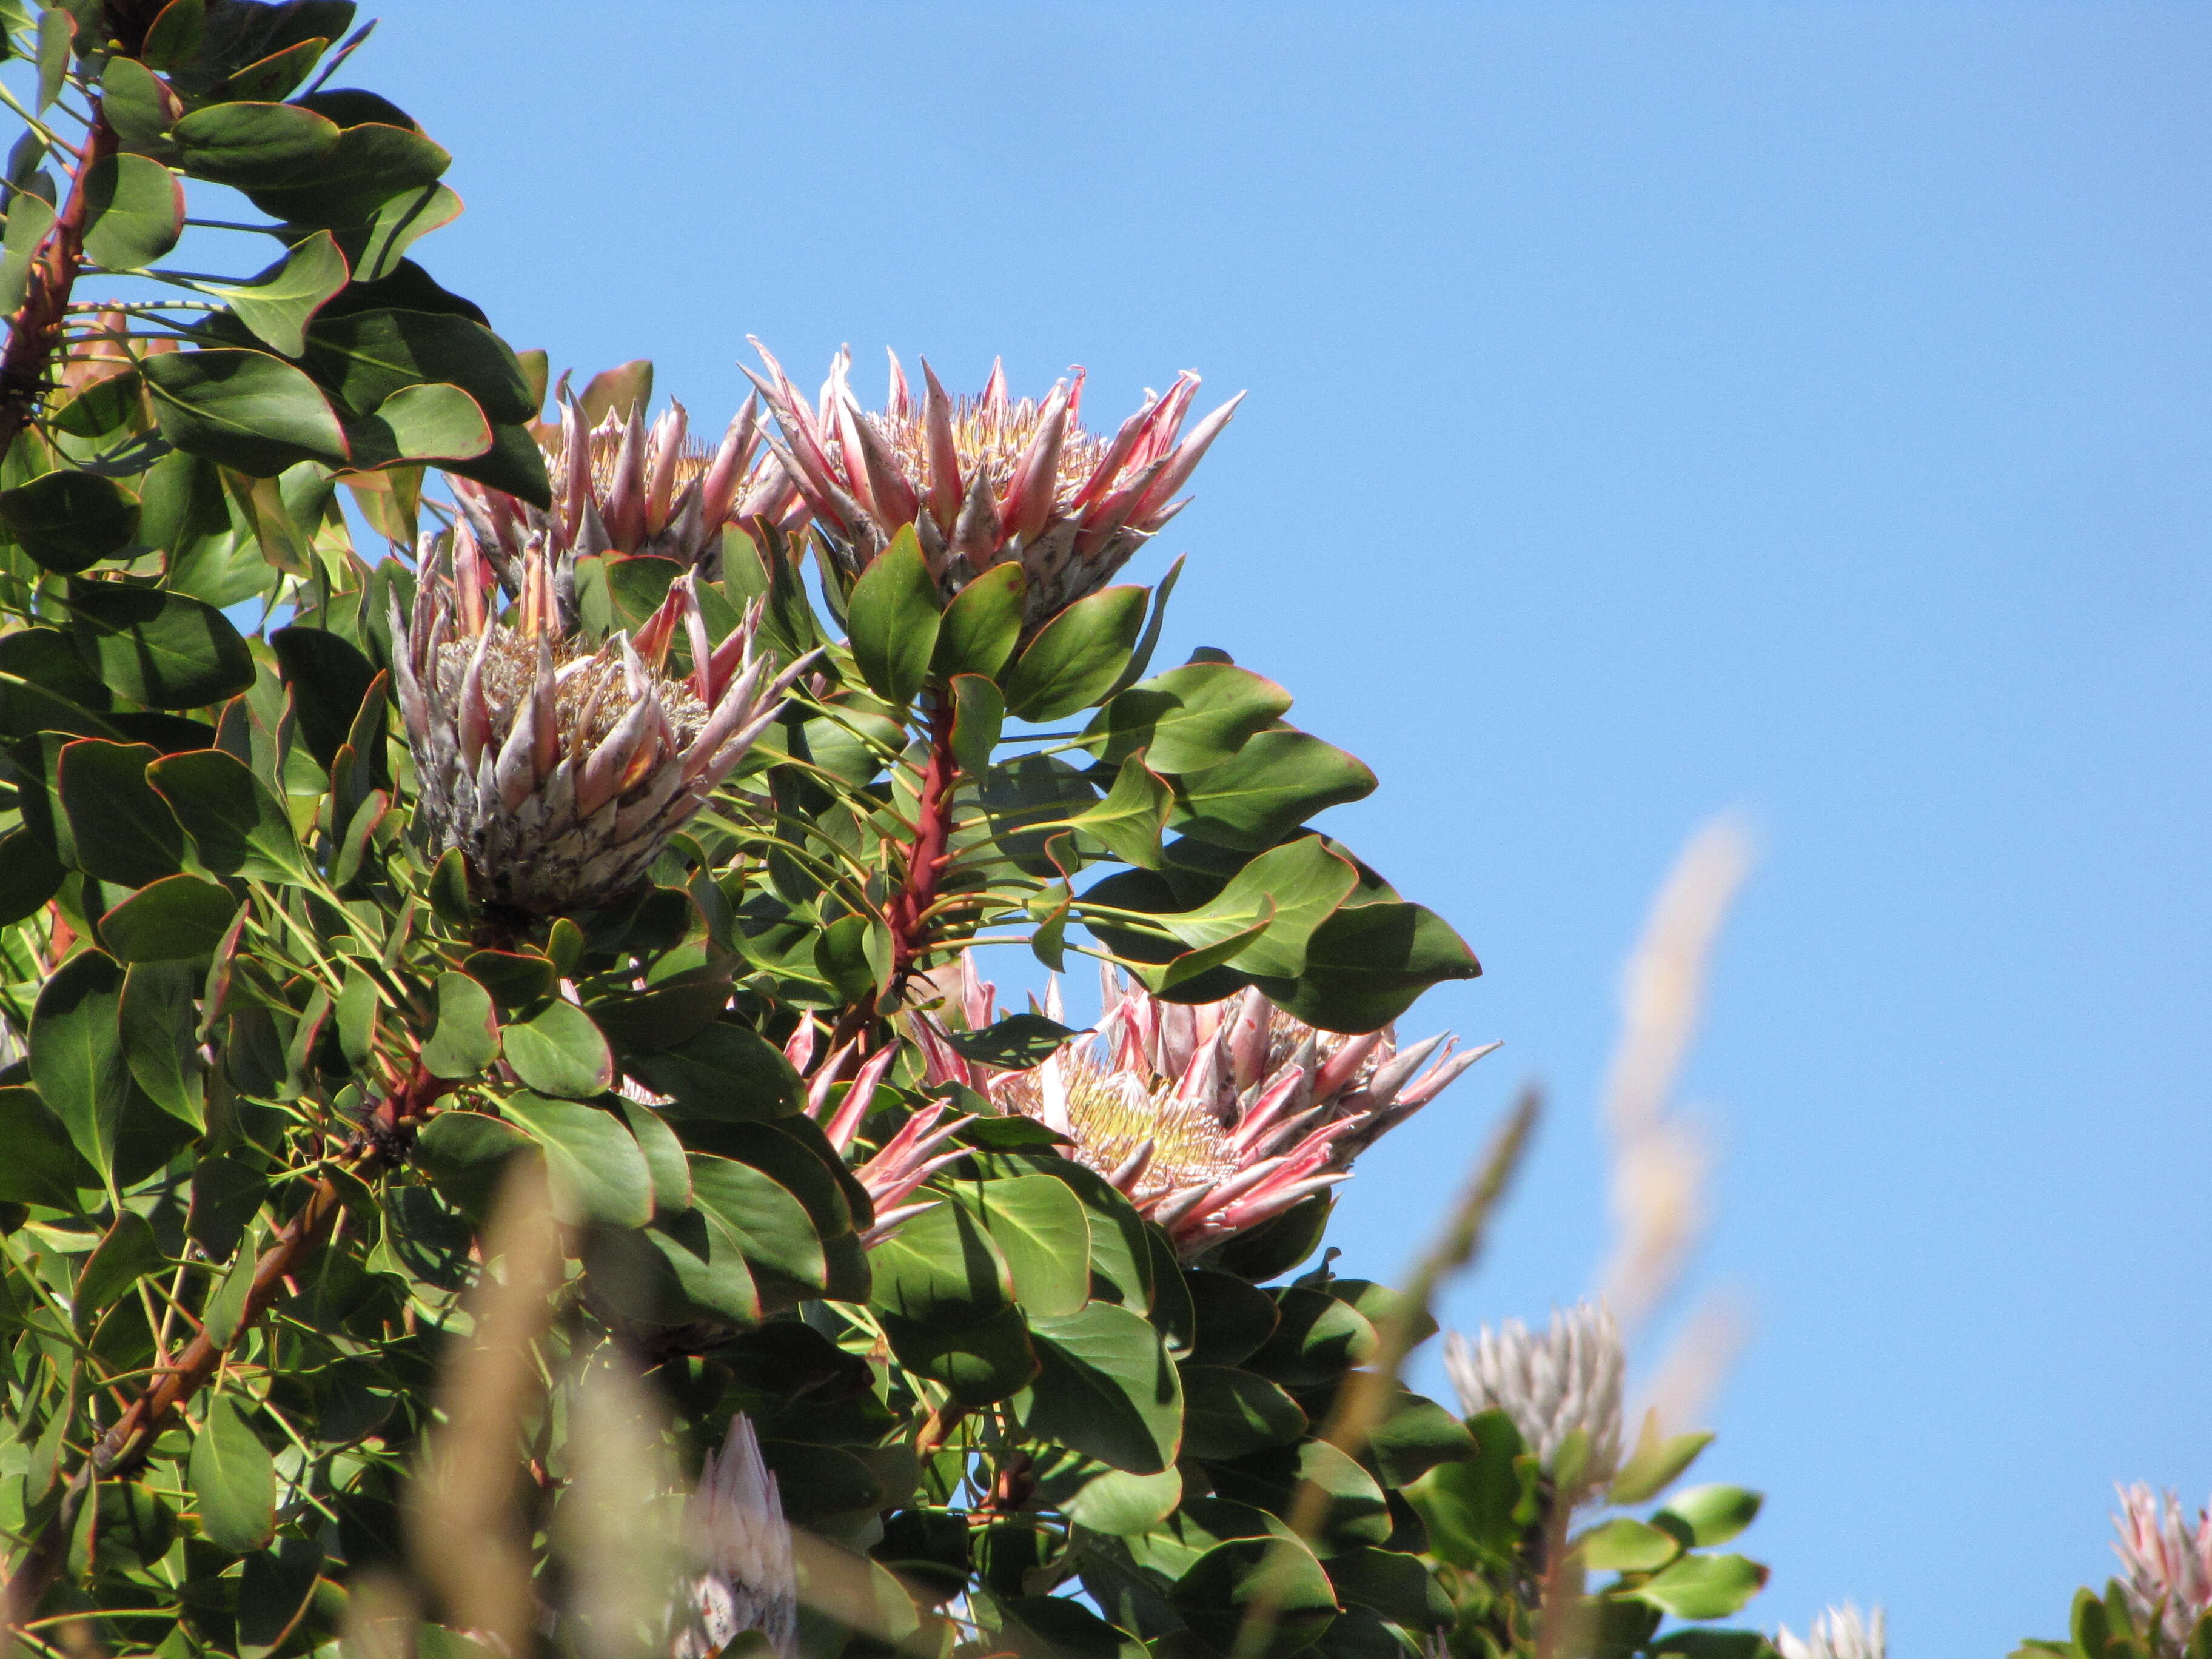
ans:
(940, 1267)
(1215, 1593)
(1713, 1515)
(558, 1050)
(979, 1364)
(161, 649)
(1129, 820)
(596, 1171)
(1703, 1586)
(136, 211)
(1038, 1225)
(772, 1228)
(159, 1023)
(1106, 1387)
(246, 409)
(278, 304)
(983, 623)
(233, 1481)
(122, 830)
(76, 1052)
(126, 1254)
(237, 828)
(978, 713)
(171, 919)
(1076, 656)
(1228, 1412)
(466, 1037)
(68, 520)
(1272, 784)
(416, 423)
(892, 620)
(1189, 718)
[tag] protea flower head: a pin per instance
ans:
(1839, 1633)
(741, 1545)
(1568, 1379)
(558, 769)
(625, 486)
(897, 1168)
(988, 478)
(1211, 1119)
(2169, 1562)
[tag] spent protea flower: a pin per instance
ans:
(1839, 1633)
(628, 487)
(1211, 1119)
(560, 771)
(1565, 1381)
(2169, 1562)
(741, 1545)
(988, 479)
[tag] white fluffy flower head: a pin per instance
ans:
(1567, 1379)
(1839, 1633)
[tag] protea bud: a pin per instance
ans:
(2168, 1563)
(1211, 1119)
(627, 487)
(988, 478)
(1839, 1633)
(560, 771)
(1563, 1386)
(740, 1544)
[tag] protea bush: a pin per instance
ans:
(508, 1150)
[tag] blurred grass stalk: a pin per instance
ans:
(1662, 1156)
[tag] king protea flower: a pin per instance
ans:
(1568, 1379)
(988, 478)
(1839, 1633)
(627, 487)
(740, 1545)
(559, 770)
(2168, 1562)
(1211, 1119)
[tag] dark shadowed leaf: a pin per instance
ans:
(597, 1171)
(245, 409)
(1076, 656)
(122, 830)
(70, 520)
(76, 1052)
(236, 826)
(136, 211)
(171, 919)
(161, 649)
(1107, 1387)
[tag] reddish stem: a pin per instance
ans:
(907, 913)
(34, 332)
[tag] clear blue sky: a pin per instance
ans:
(1655, 409)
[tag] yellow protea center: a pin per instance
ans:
(590, 694)
(990, 436)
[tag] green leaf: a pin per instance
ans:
(135, 211)
(941, 1268)
(1304, 882)
(1272, 784)
(1415, 1437)
(1703, 1586)
(1401, 1588)
(377, 246)
(596, 1171)
(1013, 1044)
(248, 143)
(56, 29)
(28, 876)
(1214, 1594)
(1233, 1318)
(1141, 658)
(979, 715)
(245, 409)
(1038, 1225)
(126, 1254)
(980, 1364)
(171, 919)
(160, 1028)
(1626, 1545)
(418, 423)
(466, 1154)
(225, 1313)
(68, 520)
(892, 620)
(280, 302)
(558, 1050)
(465, 1040)
(1055, 1627)
(703, 1258)
(122, 830)
(29, 220)
(1357, 1512)
(330, 679)
(1474, 1510)
(160, 649)
(726, 1071)
(234, 1482)
(42, 1165)
(1129, 820)
(1105, 1499)
(364, 357)
(76, 1052)
(1367, 964)
(1316, 1341)
(370, 166)
(1229, 1412)
(1187, 719)
(1106, 1387)
(173, 40)
(983, 625)
(774, 1231)
(664, 1158)
(137, 105)
(1713, 1515)
(1654, 1464)
(1076, 656)
(236, 826)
